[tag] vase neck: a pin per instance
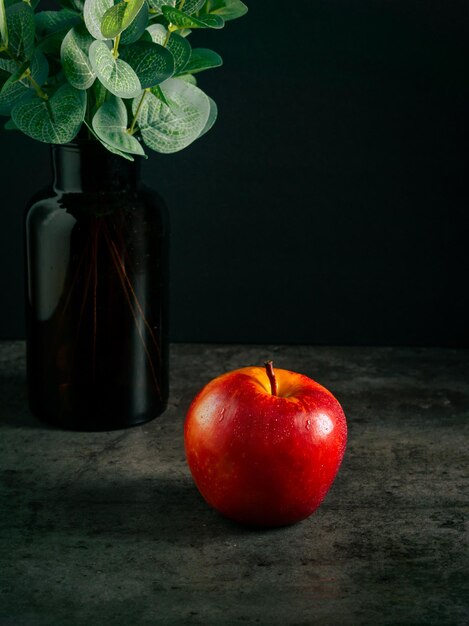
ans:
(87, 166)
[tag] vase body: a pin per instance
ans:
(96, 294)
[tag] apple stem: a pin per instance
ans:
(269, 368)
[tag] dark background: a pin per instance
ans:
(328, 203)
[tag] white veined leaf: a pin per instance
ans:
(182, 20)
(16, 88)
(116, 75)
(56, 120)
(110, 124)
(188, 78)
(51, 28)
(227, 9)
(191, 6)
(124, 155)
(75, 60)
(21, 31)
(93, 13)
(156, 5)
(133, 32)
(48, 22)
(202, 59)
(119, 17)
(179, 47)
(212, 117)
(152, 63)
(168, 129)
(8, 65)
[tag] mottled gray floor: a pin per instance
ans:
(107, 528)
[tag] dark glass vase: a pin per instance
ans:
(96, 294)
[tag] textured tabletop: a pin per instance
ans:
(108, 528)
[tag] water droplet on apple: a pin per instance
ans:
(308, 424)
(222, 415)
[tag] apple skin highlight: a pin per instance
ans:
(264, 459)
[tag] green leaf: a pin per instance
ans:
(48, 22)
(192, 6)
(188, 78)
(129, 157)
(179, 47)
(227, 9)
(51, 28)
(124, 155)
(4, 76)
(16, 88)
(8, 65)
(202, 59)
(189, 6)
(93, 12)
(56, 120)
(21, 31)
(10, 125)
(119, 17)
(74, 58)
(212, 117)
(168, 129)
(151, 62)
(158, 92)
(116, 75)
(110, 124)
(137, 28)
(181, 20)
(156, 5)
(74, 5)
(18, 75)
(3, 25)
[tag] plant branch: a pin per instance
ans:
(115, 52)
(27, 74)
(168, 35)
(132, 130)
(35, 85)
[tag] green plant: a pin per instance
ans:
(121, 72)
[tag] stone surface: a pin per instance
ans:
(108, 528)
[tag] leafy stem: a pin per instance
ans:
(115, 52)
(35, 85)
(68, 64)
(132, 130)
(168, 35)
(27, 74)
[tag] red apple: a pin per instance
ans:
(264, 446)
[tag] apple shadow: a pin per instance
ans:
(164, 509)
